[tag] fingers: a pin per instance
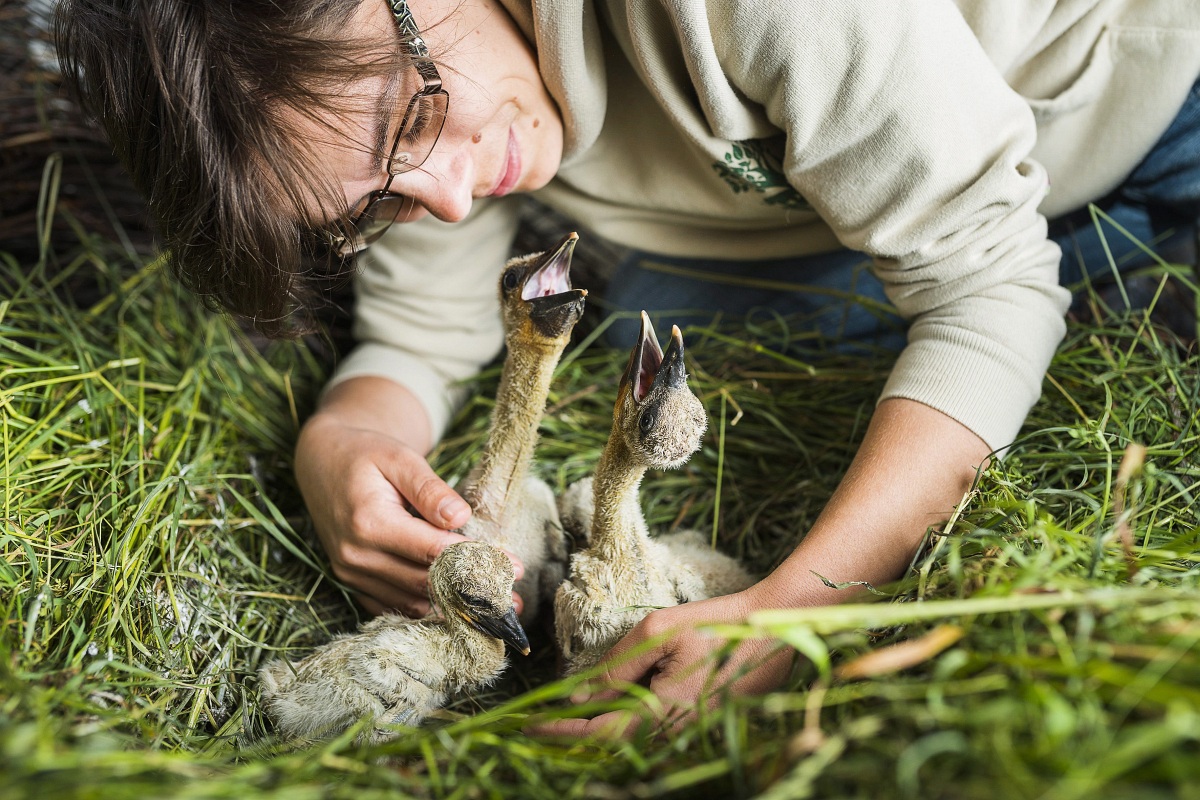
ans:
(629, 661)
(354, 562)
(378, 596)
(684, 668)
(613, 725)
(402, 536)
(632, 658)
(419, 539)
(431, 496)
(404, 575)
(381, 512)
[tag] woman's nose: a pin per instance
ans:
(442, 186)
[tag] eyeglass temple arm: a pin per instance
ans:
(417, 48)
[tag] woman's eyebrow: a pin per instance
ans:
(383, 119)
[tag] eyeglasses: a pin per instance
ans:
(419, 130)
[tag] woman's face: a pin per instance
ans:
(502, 134)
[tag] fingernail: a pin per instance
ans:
(518, 603)
(518, 567)
(452, 508)
(580, 696)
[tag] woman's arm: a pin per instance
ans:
(912, 469)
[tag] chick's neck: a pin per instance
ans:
(618, 528)
(520, 402)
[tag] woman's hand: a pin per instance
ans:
(682, 668)
(913, 467)
(381, 512)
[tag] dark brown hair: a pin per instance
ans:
(201, 101)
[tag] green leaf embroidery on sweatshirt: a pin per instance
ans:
(751, 165)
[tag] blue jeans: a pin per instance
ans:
(833, 301)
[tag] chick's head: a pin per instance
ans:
(538, 304)
(661, 420)
(472, 582)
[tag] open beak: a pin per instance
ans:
(556, 315)
(507, 628)
(554, 307)
(551, 274)
(644, 361)
(672, 372)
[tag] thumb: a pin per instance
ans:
(431, 496)
(627, 662)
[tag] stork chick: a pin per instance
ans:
(623, 574)
(397, 670)
(512, 509)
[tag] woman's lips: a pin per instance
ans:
(512, 169)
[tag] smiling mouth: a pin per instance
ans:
(512, 169)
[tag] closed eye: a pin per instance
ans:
(384, 114)
(419, 119)
(476, 604)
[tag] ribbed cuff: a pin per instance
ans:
(972, 379)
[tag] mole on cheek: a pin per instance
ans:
(536, 122)
(477, 138)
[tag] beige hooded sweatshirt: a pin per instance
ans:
(934, 136)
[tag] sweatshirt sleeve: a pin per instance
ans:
(909, 144)
(428, 313)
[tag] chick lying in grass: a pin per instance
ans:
(623, 574)
(396, 670)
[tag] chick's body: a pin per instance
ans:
(698, 571)
(397, 670)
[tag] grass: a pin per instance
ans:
(155, 553)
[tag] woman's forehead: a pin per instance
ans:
(337, 144)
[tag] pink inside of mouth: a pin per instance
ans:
(647, 370)
(552, 279)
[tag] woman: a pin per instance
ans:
(934, 139)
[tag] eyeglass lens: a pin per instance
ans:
(419, 131)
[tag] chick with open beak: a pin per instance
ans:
(623, 573)
(670, 418)
(539, 305)
(512, 508)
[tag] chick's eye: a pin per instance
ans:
(476, 604)
(510, 280)
(647, 421)
(488, 610)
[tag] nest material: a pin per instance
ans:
(37, 121)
